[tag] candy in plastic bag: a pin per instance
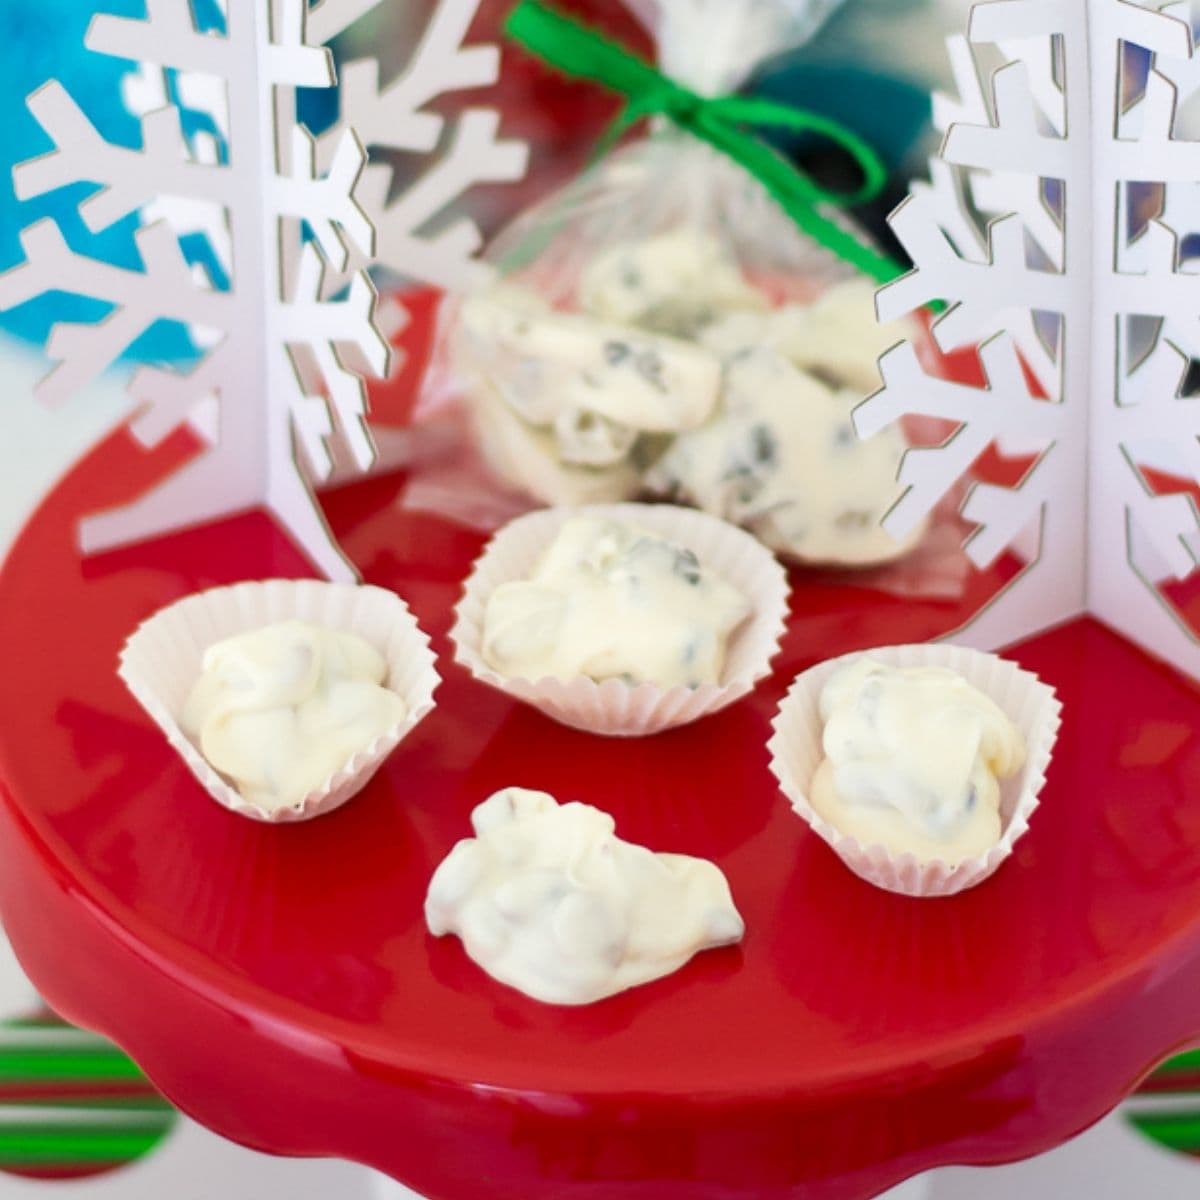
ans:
(662, 326)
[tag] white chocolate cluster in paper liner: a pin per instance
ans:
(164, 657)
(797, 752)
(280, 709)
(548, 900)
(611, 600)
(781, 457)
(913, 760)
(614, 707)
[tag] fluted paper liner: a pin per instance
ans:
(161, 662)
(615, 708)
(796, 752)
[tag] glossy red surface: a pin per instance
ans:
(279, 985)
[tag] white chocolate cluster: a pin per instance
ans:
(781, 459)
(548, 900)
(836, 338)
(612, 601)
(572, 407)
(278, 710)
(677, 283)
(913, 760)
(564, 365)
(676, 376)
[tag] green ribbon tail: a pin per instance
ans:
(579, 51)
(779, 179)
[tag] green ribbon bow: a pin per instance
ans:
(721, 121)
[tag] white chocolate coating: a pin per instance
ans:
(530, 458)
(548, 900)
(280, 709)
(676, 283)
(782, 459)
(589, 440)
(836, 338)
(519, 382)
(913, 760)
(736, 334)
(555, 362)
(612, 601)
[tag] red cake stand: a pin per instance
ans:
(278, 983)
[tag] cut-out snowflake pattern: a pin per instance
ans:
(395, 116)
(282, 361)
(1024, 231)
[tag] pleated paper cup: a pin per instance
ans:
(614, 708)
(161, 662)
(796, 752)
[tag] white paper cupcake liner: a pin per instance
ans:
(614, 708)
(161, 662)
(796, 752)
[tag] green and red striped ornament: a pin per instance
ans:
(1166, 1108)
(71, 1104)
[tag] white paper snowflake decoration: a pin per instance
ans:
(279, 368)
(1059, 283)
(395, 116)
(147, 89)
